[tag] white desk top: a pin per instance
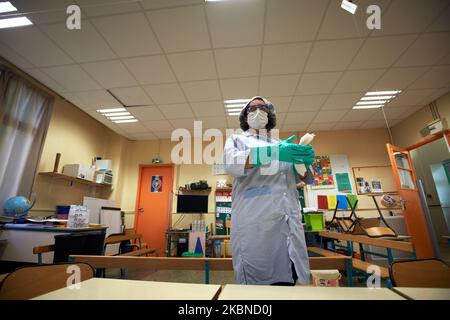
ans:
(424, 293)
(117, 289)
(253, 292)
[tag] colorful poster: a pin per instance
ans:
(156, 185)
(322, 173)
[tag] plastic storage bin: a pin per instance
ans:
(314, 221)
(325, 278)
(62, 212)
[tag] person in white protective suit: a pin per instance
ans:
(267, 236)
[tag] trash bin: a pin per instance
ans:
(182, 246)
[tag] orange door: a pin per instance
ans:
(152, 204)
(405, 180)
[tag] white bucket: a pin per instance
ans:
(325, 278)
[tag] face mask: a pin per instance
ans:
(257, 119)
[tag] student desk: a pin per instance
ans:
(253, 292)
(21, 238)
(117, 289)
(424, 293)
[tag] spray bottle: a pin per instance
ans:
(305, 140)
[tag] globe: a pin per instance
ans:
(17, 206)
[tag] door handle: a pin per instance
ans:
(140, 210)
(403, 204)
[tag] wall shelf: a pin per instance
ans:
(185, 191)
(55, 175)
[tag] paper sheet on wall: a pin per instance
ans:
(343, 182)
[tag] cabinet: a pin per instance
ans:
(223, 211)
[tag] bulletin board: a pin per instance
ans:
(339, 166)
(370, 173)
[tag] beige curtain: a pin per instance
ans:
(25, 113)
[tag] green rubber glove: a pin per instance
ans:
(283, 151)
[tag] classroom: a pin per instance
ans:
(225, 150)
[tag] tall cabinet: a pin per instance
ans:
(223, 211)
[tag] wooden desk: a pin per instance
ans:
(253, 292)
(424, 293)
(377, 242)
(115, 289)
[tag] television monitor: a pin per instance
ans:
(192, 204)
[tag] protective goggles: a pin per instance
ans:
(262, 107)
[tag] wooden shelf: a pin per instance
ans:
(56, 175)
(184, 191)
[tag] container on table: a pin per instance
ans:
(325, 278)
(182, 246)
(62, 212)
(314, 221)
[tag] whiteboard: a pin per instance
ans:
(339, 164)
(94, 205)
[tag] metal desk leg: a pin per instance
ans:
(390, 256)
(361, 252)
(206, 272)
(349, 272)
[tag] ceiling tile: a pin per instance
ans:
(381, 52)
(98, 99)
(156, 4)
(214, 122)
(307, 103)
(34, 46)
(238, 62)
(324, 116)
(150, 69)
(73, 78)
(411, 97)
(238, 23)
(43, 11)
(46, 80)
(299, 117)
(409, 16)
(342, 101)
(133, 127)
(233, 122)
(94, 8)
(239, 88)
(320, 126)
(285, 58)
(294, 127)
(280, 119)
(83, 45)
(333, 55)
(132, 96)
(339, 24)
(162, 125)
(278, 85)
(398, 78)
(347, 125)
(110, 74)
(293, 20)
(76, 100)
(208, 109)
(393, 113)
(165, 93)
(281, 104)
(147, 113)
(445, 60)
(442, 23)
(355, 81)
(359, 115)
(436, 77)
(427, 50)
(316, 83)
(180, 29)
(202, 90)
(14, 57)
(187, 123)
(163, 134)
(117, 30)
(176, 111)
(193, 65)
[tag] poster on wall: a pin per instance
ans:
(322, 173)
(156, 185)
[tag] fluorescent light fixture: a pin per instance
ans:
(112, 114)
(239, 101)
(349, 6)
(125, 121)
(14, 22)
(234, 113)
(375, 106)
(215, 0)
(231, 109)
(377, 98)
(121, 118)
(111, 110)
(371, 102)
(7, 7)
(375, 93)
